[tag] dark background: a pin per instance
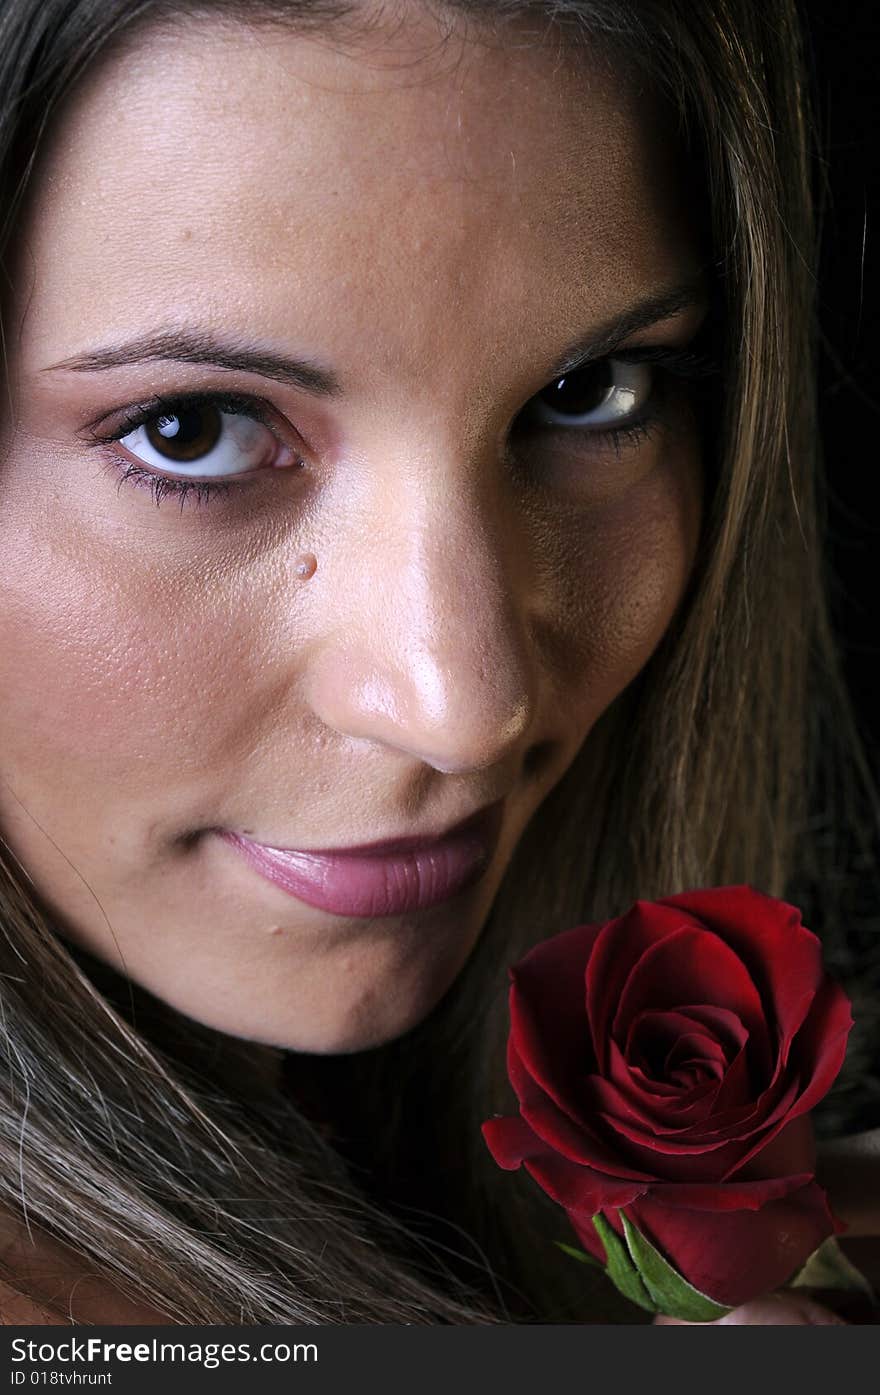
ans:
(844, 41)
(845, 44)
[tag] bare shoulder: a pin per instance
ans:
(46, 1284)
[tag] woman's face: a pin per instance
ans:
(341, 282)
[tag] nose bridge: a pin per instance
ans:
(461, 613)
(434, 657)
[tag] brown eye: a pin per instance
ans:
(204, 439)
(185, 435)
(601, 395)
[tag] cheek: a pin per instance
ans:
(142, 678)
(620, 574)
(118, 679)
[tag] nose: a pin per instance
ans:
(427, 647)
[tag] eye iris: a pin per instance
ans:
(580, 392)
(187, 434)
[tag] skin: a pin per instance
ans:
(775, 1310)
(475, 597)
(481, 593)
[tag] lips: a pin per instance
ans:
(380, 879)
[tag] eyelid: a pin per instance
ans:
(136, 414)
(692, 361)
(696, 360)
(161, 478)
(289, 448)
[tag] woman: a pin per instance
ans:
(382, 461)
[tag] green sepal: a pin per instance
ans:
(582, 1255)
(620, 1268)
(828, 1267)
(579, 1254)
(669, 1292)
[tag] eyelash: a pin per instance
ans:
(690, 364)
(161, 486)
(697, 363)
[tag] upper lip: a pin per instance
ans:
(482, 821)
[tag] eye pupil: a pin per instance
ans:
(582, 391)
(187, 434)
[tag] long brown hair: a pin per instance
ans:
(365, 1193)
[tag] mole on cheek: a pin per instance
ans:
(306, 565)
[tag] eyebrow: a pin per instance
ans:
(202, 347)
(651, 310)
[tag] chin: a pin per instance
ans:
(360, 1023)
(342, 1037)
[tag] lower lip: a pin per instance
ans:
(375, 884)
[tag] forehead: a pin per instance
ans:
(233, 173)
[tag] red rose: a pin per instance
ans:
(665, 1063)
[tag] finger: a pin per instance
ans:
(774, 1309)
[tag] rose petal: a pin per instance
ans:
(652, 1035)
(691, 965)
(547, 1019)
(512, 1142)
(820, 1048)
(664, 1095)
(783, 957)
(733, 1256)
(791, 1149)
(643, 1099)
(728, 1196)
(668, 1154)
(664, 1113)
(687, 1107)
(629, 1078)
(581, 1189)
(619, 946)
(756, 1117)
(736, 1089)
(692, 1156)
(785, 1113)
(664, 1099)
(696, 1055)
(577, 1142)
(659, 1122)
(724, 1025)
